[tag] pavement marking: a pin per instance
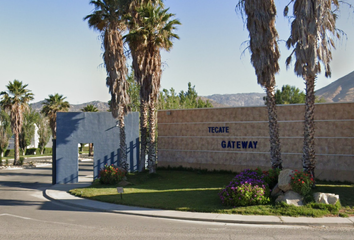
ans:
(43, 221)
(11, 215)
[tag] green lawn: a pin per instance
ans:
(198, 191)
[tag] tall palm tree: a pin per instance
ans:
(150, 31)
(108, 19)
(312, 30)
(90, 108)
(52, 105)
(137, 53)
(265, 55)
(15, 100)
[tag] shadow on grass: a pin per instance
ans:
(183, 200)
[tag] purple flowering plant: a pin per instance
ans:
(246, 188)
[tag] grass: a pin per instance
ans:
(198, 192)
(29, 156)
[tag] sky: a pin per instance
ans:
(48, 45)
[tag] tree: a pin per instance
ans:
(264, 57)
(291, 95)
(30, 118)
(312, 31)
(134, 93)
(135, 40)
(183, 100)
(150, 31)
(288, 95)
(108, 20)
(43, 132)
(52, 105)
(90, 108)
(5, 132)
(15, 100)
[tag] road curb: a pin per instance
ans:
(194, 216)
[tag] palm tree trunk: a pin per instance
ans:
(17, 149)
(123, 146)
(273, 130)
(152, 144)
(143, 132)
(309, 157)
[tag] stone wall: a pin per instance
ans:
(238, 138)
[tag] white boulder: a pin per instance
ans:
(291, 198)
(327, 198)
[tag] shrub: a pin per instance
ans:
(47, 151)
(31, 151)
(302, 182)
(247, 176)
(247, 188)
(22, 159)
(111, 175)
(270, 176)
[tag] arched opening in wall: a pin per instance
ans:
(85, 159)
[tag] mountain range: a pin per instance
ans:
(341, 90)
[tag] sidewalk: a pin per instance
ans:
(60, 193)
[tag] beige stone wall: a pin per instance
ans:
(185, 138)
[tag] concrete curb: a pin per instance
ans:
(60, 194)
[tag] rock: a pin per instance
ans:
(276, 191)
(284, 179)
(291, 198)
(280, 198)
(327, 198)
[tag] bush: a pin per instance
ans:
(111, 175)
(247, 188)
(22, 159)
(270, 176)
(31, 151)
(302, 182)
(47, 151)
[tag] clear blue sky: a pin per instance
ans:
(47, 45)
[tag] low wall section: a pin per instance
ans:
(238, 138)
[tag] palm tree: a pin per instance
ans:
(150, 31)
(15, 100)
(265, 54)
(108, 19)
(312, 30)
(52, 105)
(137, 53)
(90, 108)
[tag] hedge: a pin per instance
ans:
(29, 151)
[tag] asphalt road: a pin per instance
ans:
(26, 214)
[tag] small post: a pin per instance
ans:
(121, 191)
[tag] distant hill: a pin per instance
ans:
(238, 99)
(214, 103)
(101, 106)
(341, 90)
